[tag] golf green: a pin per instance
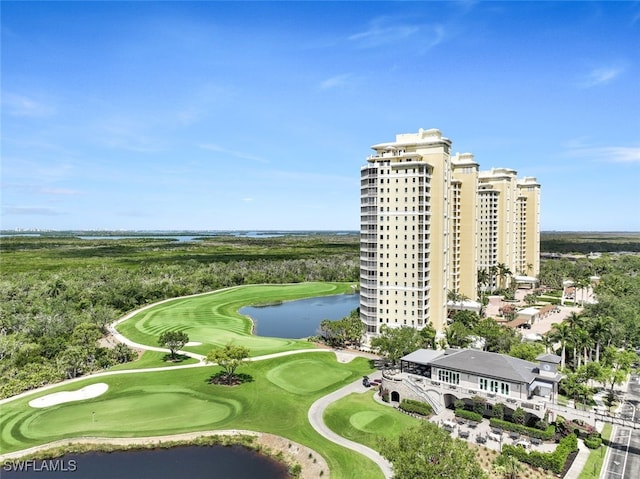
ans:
(304, 376)
(370, 421)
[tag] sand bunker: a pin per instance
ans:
(193, 343)
(87, 392)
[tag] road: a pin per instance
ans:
(623, 457)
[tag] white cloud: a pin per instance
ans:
(59, 191)
(234, 153)
(24, 106)
(609, 154)
(601, 76)
(336, 81)
(382, 31)
(29, 211)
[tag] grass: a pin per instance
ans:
(176, 401)
(213, 319)
(152, 359)
(595, 461)
(359, 418)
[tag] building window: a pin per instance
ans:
(450, 377)
(493, 386)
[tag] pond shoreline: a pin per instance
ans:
(277, 448)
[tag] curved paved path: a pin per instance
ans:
(315, 414)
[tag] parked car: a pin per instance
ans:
(365, 382)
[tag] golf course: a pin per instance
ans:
(149, 399)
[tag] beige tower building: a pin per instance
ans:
(509, 224)
(429, 221)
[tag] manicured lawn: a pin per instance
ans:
(594, 463)
(359, 418)
(170, 402)
(214, 321)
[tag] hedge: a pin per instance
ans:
(545, 435)
(552, 461)
(417, 407)
(593, 442)
(470, 415)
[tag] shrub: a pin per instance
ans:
(545, 435)
(593, 442)
(417, 407)
(470, 415)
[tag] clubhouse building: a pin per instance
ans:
(440, 377)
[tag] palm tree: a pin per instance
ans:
(547, 342)
(483, 282)
(493, 271)
(561, 333)
(600, 329)
(575, 322)
(503, 273)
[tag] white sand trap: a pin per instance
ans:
(193, 343)
(87, 392)
(344, 357)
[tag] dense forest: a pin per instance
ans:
(57, 294)
(585, 243)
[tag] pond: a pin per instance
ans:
(193, 462)
(301, 318)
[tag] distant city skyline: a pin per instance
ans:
(259, 115)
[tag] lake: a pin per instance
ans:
(193, 462)
(301, 318)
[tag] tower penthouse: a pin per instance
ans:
(421, 233)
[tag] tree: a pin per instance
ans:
(427, 452)
(173, 341)
(526, 351)
(503, 272)
(228, 358)
(518, 415)
(507, 466)
(428, 335)
(393, 343)
(561, 332)
(72, 361)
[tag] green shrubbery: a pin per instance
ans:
(470, 415)
(593, 442)
(552, 461)
(417, 407)
(545, 434)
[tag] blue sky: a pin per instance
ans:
(259, 115)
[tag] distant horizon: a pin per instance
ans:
(252, 230)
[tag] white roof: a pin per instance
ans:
(525, 279)
(529, 311)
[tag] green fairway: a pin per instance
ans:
(360, 418)
(214, 321)
(176, 401)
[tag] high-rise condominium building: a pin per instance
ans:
(429, 221)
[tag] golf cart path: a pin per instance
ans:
(316, 413)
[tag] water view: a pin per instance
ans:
(300, 319)
(194, 462)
